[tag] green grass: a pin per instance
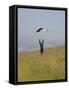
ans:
(50, 66)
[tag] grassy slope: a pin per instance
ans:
(50, 66)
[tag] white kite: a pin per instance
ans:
(41, 29)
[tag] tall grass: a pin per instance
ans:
(50, 66)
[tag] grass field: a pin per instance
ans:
(50, 66)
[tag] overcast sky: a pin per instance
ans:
(29, 20)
